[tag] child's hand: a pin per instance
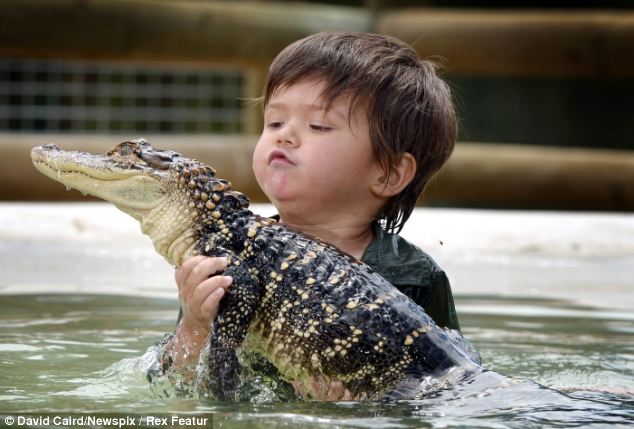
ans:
(337, 392)
(200, 290)
(321, 390)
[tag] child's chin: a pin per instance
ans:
(278, 186)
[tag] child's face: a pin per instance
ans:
(313, 162)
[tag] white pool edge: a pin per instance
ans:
(587, 258)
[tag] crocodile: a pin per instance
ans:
(313, 311)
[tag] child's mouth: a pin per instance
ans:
(279, 157)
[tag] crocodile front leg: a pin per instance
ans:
(229, 330)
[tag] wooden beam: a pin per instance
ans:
(477, 175)
(520, 43)
(535, 177)
(235, 33)
(250, 34)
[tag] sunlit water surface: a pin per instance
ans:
(78, 353)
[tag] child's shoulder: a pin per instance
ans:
(399, 261)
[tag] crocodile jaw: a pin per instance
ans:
(131, 190)
(143, 196)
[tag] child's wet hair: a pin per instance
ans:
(409, 108)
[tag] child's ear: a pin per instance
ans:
(388, 185)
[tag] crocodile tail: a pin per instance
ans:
(428, 362)
(464, 345)
(438, 361)
(409, 388)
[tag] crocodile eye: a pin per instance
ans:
(126, 150)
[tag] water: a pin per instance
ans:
(63, 353)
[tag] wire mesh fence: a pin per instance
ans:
(94, 97)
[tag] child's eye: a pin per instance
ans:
(320, 128)
(274, 125)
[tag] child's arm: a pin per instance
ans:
(200, 290)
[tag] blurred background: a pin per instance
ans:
(543, 276)
(544, 89)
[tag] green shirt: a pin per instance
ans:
(414, 273)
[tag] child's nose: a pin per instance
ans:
(287, 136)
(286, 141)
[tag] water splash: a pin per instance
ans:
(70, 366)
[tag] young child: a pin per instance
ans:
(355, 125)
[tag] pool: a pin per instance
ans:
(63, 353)
(552, 311)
